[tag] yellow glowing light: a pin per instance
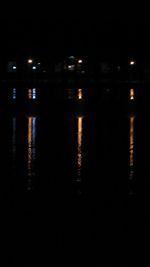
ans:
(132, 118)
(132, 94)
(31, 145)
(80, 94)
(30, 93)
(30, 61)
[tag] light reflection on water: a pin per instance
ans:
(31, 153)
(79, 121)
(132, 118)
(80, 94)
(14, 93)
(132, 94)
(131, 149)
(79, 146)
(32, 93)
(75, 94)
(131, 134)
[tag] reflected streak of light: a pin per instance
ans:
(14, 93)
(132, 94)
(34, 93)
(30, 93)
(31, 145)
(132, 118)
(80, 94)
(79, 155)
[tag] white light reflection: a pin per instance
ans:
(31, 148)
(14, 93)
(79, 148)
(32, 93)
(132, 118)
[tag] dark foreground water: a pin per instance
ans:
(75, 175)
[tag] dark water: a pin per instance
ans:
(75, 175)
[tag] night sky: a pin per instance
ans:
(111, 34)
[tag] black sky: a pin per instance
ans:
(114, 34)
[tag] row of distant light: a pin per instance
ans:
(31, 93)
(30, 61)
(80, 61)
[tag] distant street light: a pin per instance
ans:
(80, 61)
(132, 62)
(30, 61)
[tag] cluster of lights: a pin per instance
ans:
(80, 61)
(72, 65)
(32, 93)
(30, 61)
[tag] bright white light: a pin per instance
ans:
(80, 61)
(132, 62)
(14, 67)
(70, 67)
(34, 93)
(30, 61)
(34, 67)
